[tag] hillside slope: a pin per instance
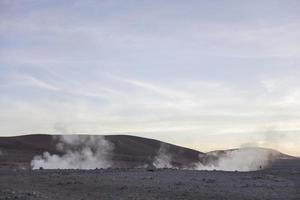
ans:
(127, 151)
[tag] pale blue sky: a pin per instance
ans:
(202, 74)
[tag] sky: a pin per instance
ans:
(198, 73)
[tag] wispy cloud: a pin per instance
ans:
(34, 82)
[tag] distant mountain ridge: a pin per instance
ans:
(272, 151)
(128, 151)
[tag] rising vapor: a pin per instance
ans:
(163, 159)
(77, 152)
(244, 159)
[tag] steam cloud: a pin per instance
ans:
(78, 152)
(90, 152)
(163, 159)
(244, 159)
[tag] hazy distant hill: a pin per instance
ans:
(128, 151)
(280, 155)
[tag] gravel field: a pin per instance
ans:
(281, 181)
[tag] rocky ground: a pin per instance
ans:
(281, 181)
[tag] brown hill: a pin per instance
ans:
(124, 151)
(127, 151)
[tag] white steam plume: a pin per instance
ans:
(78, 152)
(163, 159)
(244, 159)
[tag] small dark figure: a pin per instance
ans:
(151, 168)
